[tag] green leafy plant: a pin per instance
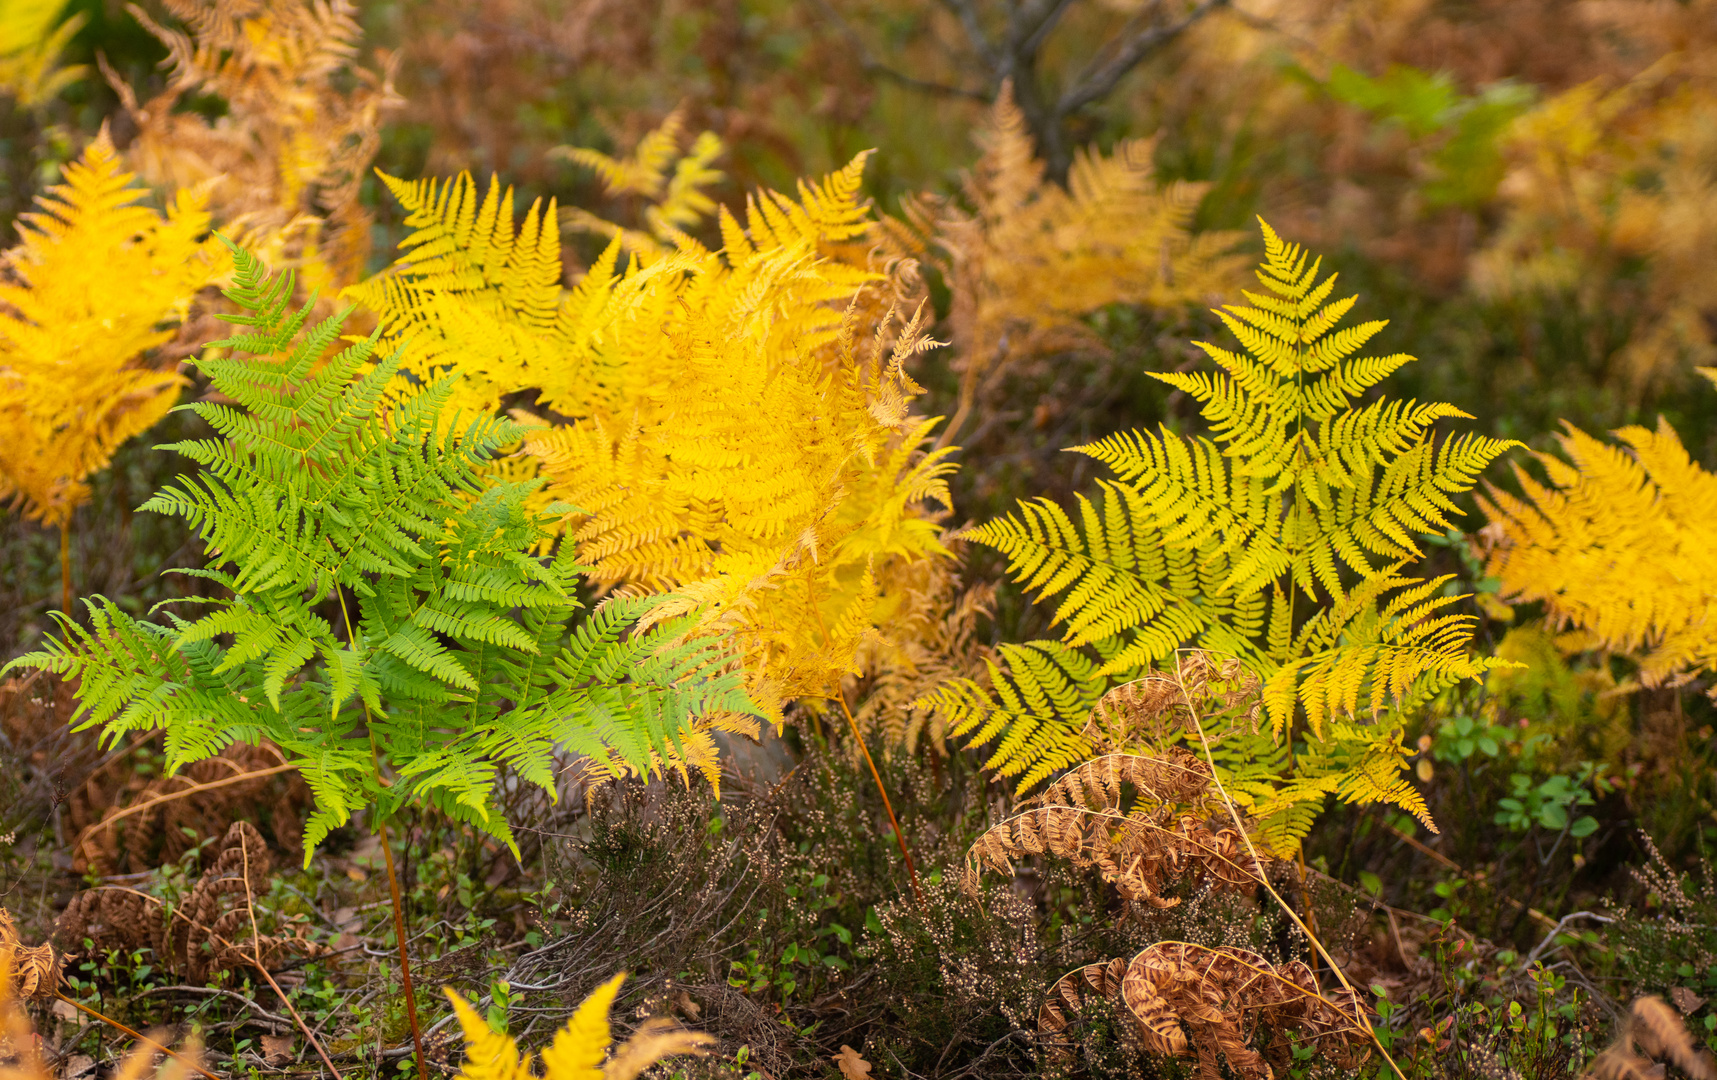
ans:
(454, 653)
(387, 625)
(1278, 540)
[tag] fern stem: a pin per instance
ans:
(66, 568)
(1364, 1021)
(139, 1036)
(404, 956)
(899, 837)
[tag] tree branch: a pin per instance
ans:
(1097, 81)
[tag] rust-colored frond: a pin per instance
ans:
(209, 932)
(1192, 1001)
(1652, 1030)
(286, 164)
(26, 971)
(1030, 258)
(1143, 821)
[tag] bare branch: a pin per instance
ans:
(1097, 81)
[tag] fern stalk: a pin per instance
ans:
(1364, 1021)
(404, 954)
(899, 837)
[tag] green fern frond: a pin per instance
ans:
(459, 652)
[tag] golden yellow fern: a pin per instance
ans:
(580, 1050)
(97, 283)
(1278, 541)
(676, 201)
(1620, 545)
(739, 432)
(1031, 259)
(30, 47)
(287, 160)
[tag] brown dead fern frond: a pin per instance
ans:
(1167, 835)
(1155, 711)
(287, 161)
(1185, 1000)
(125, 824)
(1651, 1030)
(209, 933)
(26, 971)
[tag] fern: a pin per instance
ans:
(580, 1050)
(99, 283)
(1620, 546)
(30, 47)
(454, 655)
(677, 201)
(1030, 260)
(284, 165)
(740, 431)
(1279, 540)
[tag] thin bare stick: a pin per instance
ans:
(841, 696)
(262, 969)
(139, 1036)
(1362, 1021)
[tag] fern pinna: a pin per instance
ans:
(387, 627)
(1278, 540)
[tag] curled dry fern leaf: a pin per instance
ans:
(1278, 540)
(1164, 836)
(1178, 999)
(456, 653)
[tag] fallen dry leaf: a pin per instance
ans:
(277, 1050)
(1686, 1000)
(853, 1065)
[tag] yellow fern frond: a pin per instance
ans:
(733, 440)
(580, 1049)
(1621, 544)
(30, 47)
(491, 1055)
(1276, 541)
(100, 281)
